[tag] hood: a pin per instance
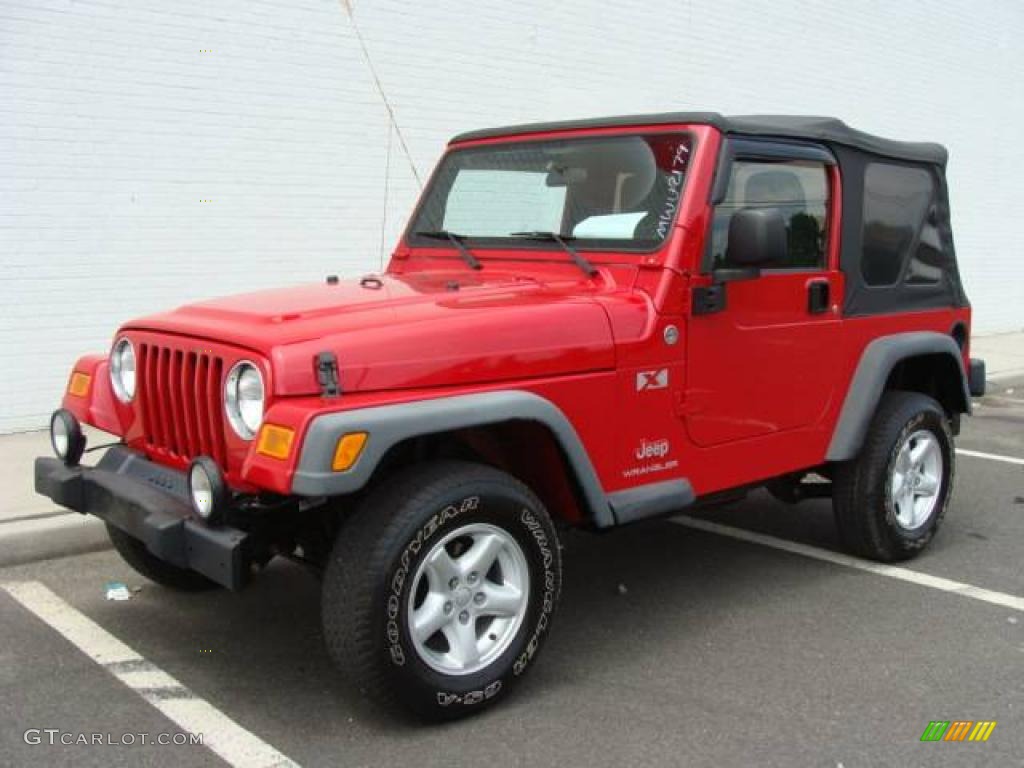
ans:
(404, 331)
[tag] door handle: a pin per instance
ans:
(818, 296)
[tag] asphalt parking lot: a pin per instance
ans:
(674, 645)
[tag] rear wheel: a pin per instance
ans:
(890, 500)
(134, 553)
(440, 590)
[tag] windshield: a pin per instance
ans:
(617, 192)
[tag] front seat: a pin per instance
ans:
(780, 188)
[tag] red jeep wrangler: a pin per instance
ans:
(592, 322)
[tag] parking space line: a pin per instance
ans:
(230, 741)
(1002, 599)
(989, 456)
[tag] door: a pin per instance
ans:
(761, 353)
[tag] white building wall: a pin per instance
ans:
(155, 152)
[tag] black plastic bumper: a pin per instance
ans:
(149, 502)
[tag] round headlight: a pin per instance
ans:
(122, 370)
(244, 399)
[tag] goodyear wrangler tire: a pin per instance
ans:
(891, 499)
(441, 589)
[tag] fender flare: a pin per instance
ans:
(388, 425)
(876, 363)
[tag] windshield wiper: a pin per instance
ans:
(562, 240)
(456, 240)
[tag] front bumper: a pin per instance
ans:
(149, 502)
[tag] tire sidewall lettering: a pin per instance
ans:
(549, 596)
(393, 635)
(447, 698)
(542, 551)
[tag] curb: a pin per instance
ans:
(63, 535)
(1005, 377)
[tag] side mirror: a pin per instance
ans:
(757, 236)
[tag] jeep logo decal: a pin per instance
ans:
(649, 449)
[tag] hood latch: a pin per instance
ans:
(327, 374)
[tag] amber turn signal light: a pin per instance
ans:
(350, 447)
(79, 384)
(275, 441)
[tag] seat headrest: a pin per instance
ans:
(776, 187)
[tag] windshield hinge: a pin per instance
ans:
(327, 374)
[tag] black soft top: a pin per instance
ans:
(825, 129)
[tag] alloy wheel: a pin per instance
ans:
(468, 599)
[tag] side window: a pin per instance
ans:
(897, 199)
(799, 189)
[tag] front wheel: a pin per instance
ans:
(890, 500)
(441, 589)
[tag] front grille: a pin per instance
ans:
(180, 402)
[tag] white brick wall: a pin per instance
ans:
(120, 118)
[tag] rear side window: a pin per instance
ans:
(897, 200)
(797, 188)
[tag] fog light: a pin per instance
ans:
(207, 489)
(66, 437)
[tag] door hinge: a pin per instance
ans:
(708, 299)
(327, 374)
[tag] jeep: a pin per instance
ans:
(585, 324)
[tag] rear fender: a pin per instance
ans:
(877, 363)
